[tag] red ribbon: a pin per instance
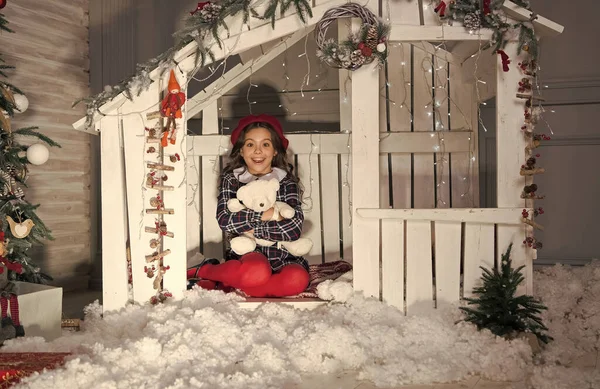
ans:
(200, 6)
(10, 266)
(486, 7)
(441, 8)
(505, 60)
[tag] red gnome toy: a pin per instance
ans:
(171, 109)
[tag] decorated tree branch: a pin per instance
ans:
(20, 225)
(497, 307)
(477, 14)
(207, 20)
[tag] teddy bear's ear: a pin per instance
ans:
(274, 184)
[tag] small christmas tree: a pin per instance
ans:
(499, 310)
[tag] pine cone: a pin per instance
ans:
(210, 12)
(372, 38)
(18, 192)
(20, 174)
(357, 59)
(6, 188)
(472, 21)
(10, 186)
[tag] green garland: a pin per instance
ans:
(489, 16)
(198, 26)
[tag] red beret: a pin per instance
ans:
(263, 118)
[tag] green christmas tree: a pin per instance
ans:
(497, 307)
(20, 228)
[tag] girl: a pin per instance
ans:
(259, 153)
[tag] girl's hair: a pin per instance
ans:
(280, 160)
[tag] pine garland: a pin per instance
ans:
(302, 9)
(13, 159)
(491, 17)
(499, 310)
(196, 28)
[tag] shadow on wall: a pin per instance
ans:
(266, 99)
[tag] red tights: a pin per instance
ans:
(252, 274)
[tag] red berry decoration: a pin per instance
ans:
(366, 51)
(3, 3)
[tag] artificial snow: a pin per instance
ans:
(336, 290)
(205, 340)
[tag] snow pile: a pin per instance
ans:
(206, 340)
(336, 290)
(572, 295)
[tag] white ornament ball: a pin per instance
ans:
(107, 88)
(381, 47)
(37, 154)
(21, 103)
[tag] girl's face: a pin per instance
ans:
(258, 151)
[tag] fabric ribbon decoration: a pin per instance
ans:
(199, 7)
(16, 267)
(441, 8)
(505, 60)
(486, 7)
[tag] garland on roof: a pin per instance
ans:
(477, 14)
(208, 19)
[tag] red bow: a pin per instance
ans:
(200, 6)
(441, 8)
(486, 7)
(10, 266)
(505, 60)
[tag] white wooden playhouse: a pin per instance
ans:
(413, 232)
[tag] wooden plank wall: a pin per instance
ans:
(50, 51)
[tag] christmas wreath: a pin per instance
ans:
(363, 47)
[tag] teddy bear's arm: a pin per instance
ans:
(234, 205)
(287, 229)
(285, 210)
(234, 222)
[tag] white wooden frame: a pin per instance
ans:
(405, 245)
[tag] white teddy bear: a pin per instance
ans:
(260, 195)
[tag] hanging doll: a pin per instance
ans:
(8, 295)
(171, 109)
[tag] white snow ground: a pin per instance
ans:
(206, 340)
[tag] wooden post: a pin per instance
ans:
(510, 156)
(345, 94)
(114, 216)
(212, 235)
(365, 176)
(138, 199)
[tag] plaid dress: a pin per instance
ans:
(286, 230)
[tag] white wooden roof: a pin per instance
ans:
(291, 27)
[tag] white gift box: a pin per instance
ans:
(40, 309)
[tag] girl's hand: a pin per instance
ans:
(268, 214)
